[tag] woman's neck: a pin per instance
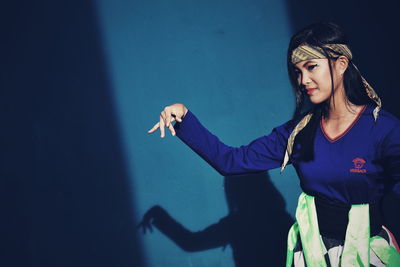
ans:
(341, 108)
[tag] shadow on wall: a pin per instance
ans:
(256, 227)
(372, 28)
(64, 184)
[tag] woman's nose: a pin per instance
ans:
(305, 79)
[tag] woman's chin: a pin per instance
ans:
(317, 100)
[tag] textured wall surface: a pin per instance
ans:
(226, 61)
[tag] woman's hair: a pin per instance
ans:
(319, 34)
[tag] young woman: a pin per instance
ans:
(345, 149)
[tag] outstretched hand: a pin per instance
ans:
(171, 113)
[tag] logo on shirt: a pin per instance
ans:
(358, 166)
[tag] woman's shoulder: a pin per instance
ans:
(388, 121)
(389, 117)
(386, 128)
(389, 127)
(385, 120)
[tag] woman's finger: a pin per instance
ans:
(171, 129)
(167, 113)
(163, 116)
(155, 127)
(170, 119)
(162, 125)
(178, 118)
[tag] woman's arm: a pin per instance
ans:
(262, 154)
(391, 157)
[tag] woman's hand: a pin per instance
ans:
(170, 114)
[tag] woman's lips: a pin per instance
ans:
(310, 90)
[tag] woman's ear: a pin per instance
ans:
(341, 64)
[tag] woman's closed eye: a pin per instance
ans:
(311, 67)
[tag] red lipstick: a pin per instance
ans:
(310, 90)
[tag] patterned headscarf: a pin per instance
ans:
(306, 52)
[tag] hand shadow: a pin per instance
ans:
(256, 226)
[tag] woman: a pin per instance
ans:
(345, 149)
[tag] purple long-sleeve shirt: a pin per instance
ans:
(354, 168)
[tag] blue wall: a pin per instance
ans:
(226, 61)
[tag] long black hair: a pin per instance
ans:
(317, 35)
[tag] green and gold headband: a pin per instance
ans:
(307, 52)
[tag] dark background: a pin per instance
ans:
(64, 186)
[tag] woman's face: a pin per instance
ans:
(315, 78)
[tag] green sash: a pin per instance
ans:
(357, 241)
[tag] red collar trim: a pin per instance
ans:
(345, 131)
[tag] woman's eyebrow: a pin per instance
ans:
(308, 61)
